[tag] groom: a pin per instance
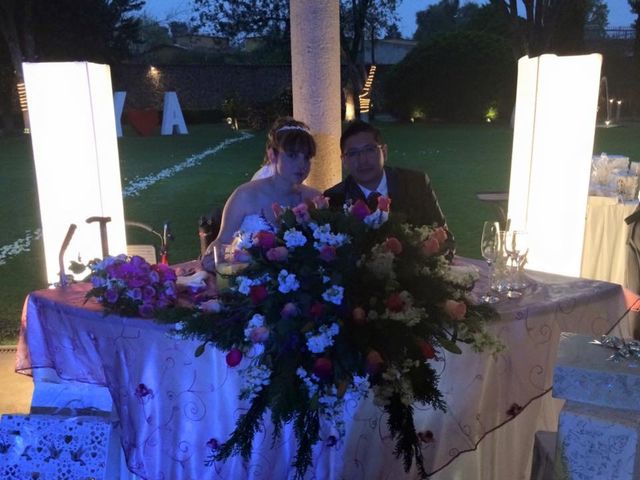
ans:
(363, 155)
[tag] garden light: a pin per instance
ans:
(555, 118)
(73, 134)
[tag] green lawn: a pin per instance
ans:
(460, 159)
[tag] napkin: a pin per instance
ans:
(197, 281)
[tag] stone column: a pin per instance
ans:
(315, 65)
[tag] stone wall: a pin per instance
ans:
(205, 87)
(199, 87)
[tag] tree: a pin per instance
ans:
(269, 19)
(444, 17)
(101, 31)
(635, 8)
(457, 76)
(151, 34)
(551, 26)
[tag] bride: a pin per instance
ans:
(289, 150)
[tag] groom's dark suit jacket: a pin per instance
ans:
(410, 192)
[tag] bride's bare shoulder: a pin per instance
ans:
(250, 189)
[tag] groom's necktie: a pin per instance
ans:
(372, 200)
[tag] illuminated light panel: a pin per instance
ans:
(555, 119)
(73, 134)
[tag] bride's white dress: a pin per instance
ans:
(254, 223)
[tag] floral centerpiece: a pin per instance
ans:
(131, 286)
(338, 305)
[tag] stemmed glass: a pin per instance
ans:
(490, 248)
(516, 245)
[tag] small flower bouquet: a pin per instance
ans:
(132, 287)
(336, 306)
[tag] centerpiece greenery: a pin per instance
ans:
(337, 305)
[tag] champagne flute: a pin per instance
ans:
(516, 246)
(489, 249)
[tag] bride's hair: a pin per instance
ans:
(290, 135)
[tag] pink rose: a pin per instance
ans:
(374, 362)
(289, 310)
(234, 357)
(383, 203)
(359, 210)
(321, 202)
(277, 254)
(359, 316)
(440, 234)
(301, 212)
(328, 253)
(430, 246)
(264, 239)
(259, 334)
(426, 349)
(456, 310)
(258, 294)
(395, 302)
(277, 210)
(323, 368)
(393, 245)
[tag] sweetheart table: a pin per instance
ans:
(173, 409)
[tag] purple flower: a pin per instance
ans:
(145, 310)
(148, 293)
(154, 276)
(111, 295)
(143, 391)
(135, 293)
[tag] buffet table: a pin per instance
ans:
(174, 408)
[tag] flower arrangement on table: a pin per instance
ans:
(335, 305)
(131, 286)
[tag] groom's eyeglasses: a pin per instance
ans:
(369, 152)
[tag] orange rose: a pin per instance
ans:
(383, 203)
(430, 246)
(456, 310)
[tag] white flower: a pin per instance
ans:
(325, 279)
(287, 282)
(294, 238)
(254, 379)
(256, 321)
(324, 236)
(312, 382)
(319, 342)
(334, 294)
(244, 284)
(461, 275)
(381, 263)
(376, 219)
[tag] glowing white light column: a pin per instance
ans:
(555, 121)
(73, 133)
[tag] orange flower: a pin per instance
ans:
(456, 310)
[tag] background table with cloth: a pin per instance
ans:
(173, 407)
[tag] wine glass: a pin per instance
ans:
(516, 245)
(489, 249)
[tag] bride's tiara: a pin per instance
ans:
(292, 127)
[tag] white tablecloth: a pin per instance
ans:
(171, 404)
(604, 256)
